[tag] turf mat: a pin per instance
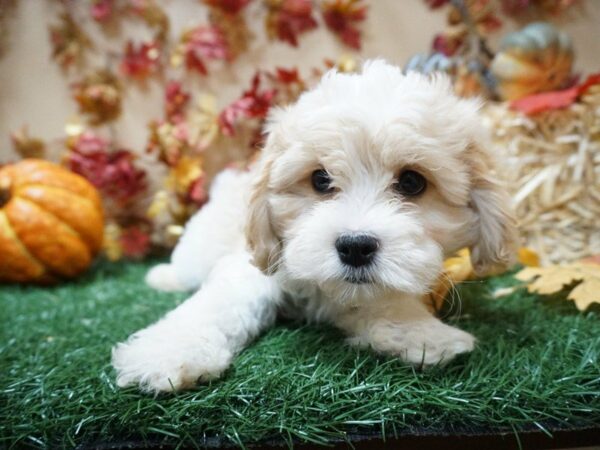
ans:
(537, 364)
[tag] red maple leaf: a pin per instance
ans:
(252, 104)
(490, 23)
(341, 16)
(446, 45)
(88, 142)
(434, 4)
(514, 7)
(197, 193)
(193, 62)
(176, 100)
(290, 18)
(102, 10)
(112, 172)
(142, 61)
(288, 76)
(205, 42)
(519, 7)
(135, 242)
(231, 7)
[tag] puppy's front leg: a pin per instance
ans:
(403, 327)
(199, 339)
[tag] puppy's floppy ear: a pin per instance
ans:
(496, 237)
(263, 243)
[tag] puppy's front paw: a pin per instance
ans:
(162, 362)
(426, 342)
(163, 277)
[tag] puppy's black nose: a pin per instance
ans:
(356, 249)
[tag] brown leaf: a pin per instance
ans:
(153, 15)
(232, 7)
(287, 19)
(342, 16)
(99, 96)
(69, 42)
(27, 146)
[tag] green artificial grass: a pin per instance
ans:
(536, 365)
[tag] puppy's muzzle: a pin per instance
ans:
(356, 250)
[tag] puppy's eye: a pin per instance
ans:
(321, 181)
(411, 183)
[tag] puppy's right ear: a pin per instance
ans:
(496, 239)
(263, 243)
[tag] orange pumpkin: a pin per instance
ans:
(51, 222)
(536, 59)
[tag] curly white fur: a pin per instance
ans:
(364, 129)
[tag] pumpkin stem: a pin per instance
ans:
(4, 192)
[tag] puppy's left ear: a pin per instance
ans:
(496, 237)
(263, 243)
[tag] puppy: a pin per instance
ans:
(364, 186)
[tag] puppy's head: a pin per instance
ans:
(370, 179)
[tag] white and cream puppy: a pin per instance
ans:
(363, 187)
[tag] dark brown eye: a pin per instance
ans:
(321, 181)
(411, 183)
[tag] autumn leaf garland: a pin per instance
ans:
(224, 37)
(189, 126)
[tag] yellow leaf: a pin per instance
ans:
(528, 257)
(586, 293)
(553, 279)
(111, 244)
(456, 269)
(159, 204)
(27, 146)
(203, 122)
(187, 169)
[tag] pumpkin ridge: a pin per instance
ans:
(72, 208)
(45, 176)
(20, 244)
(62, 223)
(49, 188)
(47, 269)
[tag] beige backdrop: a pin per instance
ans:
(34, 91)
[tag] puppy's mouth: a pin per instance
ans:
(358, 277)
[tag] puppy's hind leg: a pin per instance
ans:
(198, 340)
(214, 231)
